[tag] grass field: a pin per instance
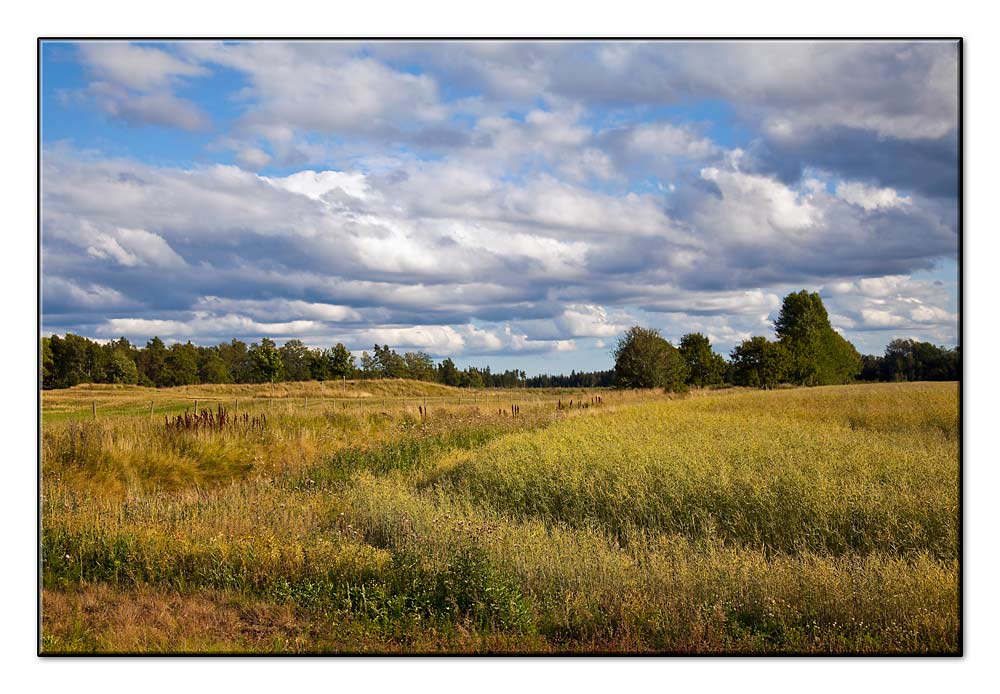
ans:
(819, 520)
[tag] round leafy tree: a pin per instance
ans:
(643, 359)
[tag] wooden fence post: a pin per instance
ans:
(93, 407)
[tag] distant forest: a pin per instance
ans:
(70, 360)
(807, 352)
(73, 359)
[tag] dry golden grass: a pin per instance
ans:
(354, 396)
(101, 618)
(819, 520)
(112, 400)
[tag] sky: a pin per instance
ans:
(518, 204)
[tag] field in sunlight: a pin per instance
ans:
(821, 520)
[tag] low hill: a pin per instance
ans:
(381, 388)
(107, 399)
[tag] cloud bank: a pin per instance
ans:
(473, 199)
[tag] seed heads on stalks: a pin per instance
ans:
(218, 420)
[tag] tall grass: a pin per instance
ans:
(821, 520)
(785, 471)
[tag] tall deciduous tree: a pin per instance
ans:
(759, 363)
(419, 366)
(69, 357)
(840, 361)
(236, 357)
(319, 364)
(151, 363)
(643, 359)
(265, 362)
(48, 363)
(817, 354)
(119, 368)
(295, 360)
(341, 362)
(705, 367)
(211, 367)
(801, 327)
(180, 367)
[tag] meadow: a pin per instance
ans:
(405, 517)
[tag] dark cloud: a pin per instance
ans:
(928, 166)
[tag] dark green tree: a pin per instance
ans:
(119, 362)
(912, 360)
(48, 364)
(211, 367)
(643, 359)
(759, 363)
(151, 362)
(69, 358)
(387, 363)
(341, 362)
(295, 361)
(265, 362)
(817, 354)
(705, 367)
(236, 357)
(180, 367)
(96, 363)
(335, 363)
(801, 327)
(471, 378)
(319, 364)
(839, 361)
(419, 366)
(367, 365)
(448, 373)
(871, 367)
(119, 368)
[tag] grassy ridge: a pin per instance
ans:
(389, 387)
(819, 520)
(361, 397)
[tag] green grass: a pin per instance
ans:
(806, 521)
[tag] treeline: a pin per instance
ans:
(807, 351)
(73, 359)
(576, 379)
(910, 360)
